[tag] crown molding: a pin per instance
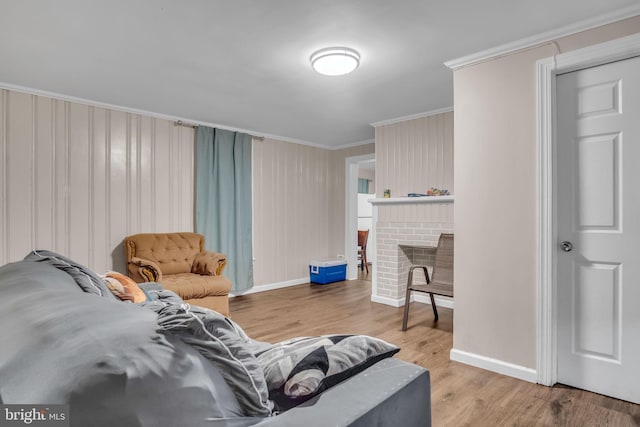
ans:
(84, 101)
(412, 117)
(543, 38)
(191, 122)
(353, 144)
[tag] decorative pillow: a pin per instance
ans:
(116, 288)
(123, 287)
(300, 368)
(209, 263)
(148, 269)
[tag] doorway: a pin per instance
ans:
(352, 165)
(585, 334)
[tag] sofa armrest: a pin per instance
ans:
(144, 270)
(208, 263)
(391, 392)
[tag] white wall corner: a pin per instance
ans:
(494, 365)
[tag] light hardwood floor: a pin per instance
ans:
(461, 395)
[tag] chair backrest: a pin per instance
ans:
(363, 236)
(443, 266)
(173, 252)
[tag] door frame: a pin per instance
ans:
(546, 72)
(351, 213)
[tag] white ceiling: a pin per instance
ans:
(244, 64)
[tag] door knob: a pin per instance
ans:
(566, 246)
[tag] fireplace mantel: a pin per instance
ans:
(411, 200)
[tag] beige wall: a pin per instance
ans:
(412, 156)
(299, 212)
(299, 196)
(496, 201)
(291, 185)
(77, 179)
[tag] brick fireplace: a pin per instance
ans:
(402, 240)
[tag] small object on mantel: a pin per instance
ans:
(437, 192)
(387, 194)
(416, 195)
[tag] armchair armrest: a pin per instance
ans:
(208, 263)
(144, 269)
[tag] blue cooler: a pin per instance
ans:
(328, 270)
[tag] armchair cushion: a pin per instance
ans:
(192, 286)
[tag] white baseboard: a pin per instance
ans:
(388, 301)
(494, 365)
(421, 298)
(272, 286)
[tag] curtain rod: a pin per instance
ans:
(195, 126)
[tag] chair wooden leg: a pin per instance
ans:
(405, 318)
(408, 296)
(407, 300)
(366, 264)
(433, 305)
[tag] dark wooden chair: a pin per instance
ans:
(363, 237)
(442, 281)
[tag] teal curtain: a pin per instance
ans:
(223, 200)
(363, 185)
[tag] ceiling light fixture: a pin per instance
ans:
(335, 61)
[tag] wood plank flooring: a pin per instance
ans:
(461, 395)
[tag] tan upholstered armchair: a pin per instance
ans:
(180, 264)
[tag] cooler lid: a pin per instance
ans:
(328, 262)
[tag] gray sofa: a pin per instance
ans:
(112, 364)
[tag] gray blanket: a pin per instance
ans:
(217, 338)
(86, 279)
(221, 341)
(160, 362)
(108, 360)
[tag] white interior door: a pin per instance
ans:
(598, 218)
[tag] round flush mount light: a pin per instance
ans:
(335, 61)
